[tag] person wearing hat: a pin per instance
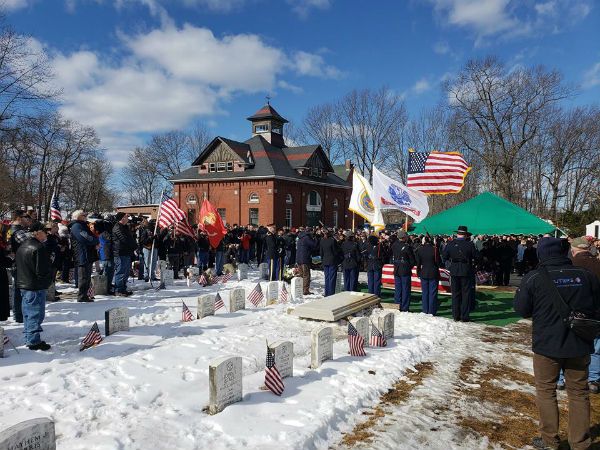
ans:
(404, 261)
(124, 245)
(428, 264)
(461, 253)
(376, 255)
(555, 345)
(35, 277)
(351, 255)
(330, 258)
(84, 244)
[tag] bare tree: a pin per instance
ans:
(142, 178)
(320, 126)
(199, 137)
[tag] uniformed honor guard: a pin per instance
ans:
(351, 261)
(375, 258)
(404, 260)
(461, 253)
(330, 254)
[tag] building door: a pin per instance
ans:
(313, 209)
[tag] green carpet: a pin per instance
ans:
(493, 308)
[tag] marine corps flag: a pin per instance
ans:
(212, 223)
(361, 201)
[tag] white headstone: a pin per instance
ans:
(166, 277)
(321, 346)
(264, 271)
(297, 288)
(362, 326)
(1, 342)
(32, 434)
(206, 305)
(116, 319)
(99, 283)
(237, 299)
(193, 272)
(339, 283)
(385, 323)
(242, 271)
(225, 383)
(284, 357)
(272, 292)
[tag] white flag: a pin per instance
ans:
(361, 201)
(391, 194)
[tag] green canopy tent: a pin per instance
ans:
(485, 214)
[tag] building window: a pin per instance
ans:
(288, 218)
(191, 216)
(230, 166)
(191, 199)
(253, 219)
(335, 203)
(212, 167)
(276, 129)
(314, 199)
(288, 198)
(221, 167)
(261, 128)
(253, 198)
(222, 212)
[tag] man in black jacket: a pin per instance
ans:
(304, 248)
(404, 260)
(350, 262)
(329, 251)
(555, 345)
(428, 270)
(123, 247)
(35, 276)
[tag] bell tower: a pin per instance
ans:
(268, 123)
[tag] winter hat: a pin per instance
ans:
(551, 247)
(581, 242)
(119, 216)
(77, 213)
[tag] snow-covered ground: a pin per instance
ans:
(147, 388)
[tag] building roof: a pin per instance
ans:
(267, 112)
(342, 171)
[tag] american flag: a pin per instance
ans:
(273, 378)
(225, 277)
(377, 339)
(219, 302)
(256, 296)
(55, 208)
(92, 338)
(6, 339)
(182, 227)
(355, 341)
(436, 172)
(186, 314)
(283, 294)
(203, 280)
(91, 293)
(169, 212)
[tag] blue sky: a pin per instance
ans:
(133, 67)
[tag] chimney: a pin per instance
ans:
(348, 165)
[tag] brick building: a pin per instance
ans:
(263, 181)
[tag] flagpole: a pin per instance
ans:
(151, 275)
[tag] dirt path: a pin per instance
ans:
(475, 392)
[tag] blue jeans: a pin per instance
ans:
(402, 292)
(202, 259)
(429, 287)
(330, 273)
(245, 256)
(122, 265)
(150, 271)
(34, 311)
(17, 299)
(374, 282)
(219, 263)
(350, 279)
(108, 269)
(595, 362)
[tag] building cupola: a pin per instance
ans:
(268, 123)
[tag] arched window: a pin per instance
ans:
(253, 198)
(191, 199)
(335, 203)
(314, 201)
(288, 198)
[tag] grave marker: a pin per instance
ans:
(321, 348)
(237, 299)
(206, 305)
(272, 292)
(385, 323)
(32, 434)
(362, 326)
(297, 288)
(339, 283)
(225, 383)
(264, 271)
(116, 319)
(242, 271)
(284, 357)
(99, 283)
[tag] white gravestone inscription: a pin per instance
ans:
(272, 292)
(297, 288)
(321, 346)
(206, 305)
(116, 319)
(99, 283)
(386, 324)
(225, 383)
(242, 271)
(362, 326)
(237, 299)
(32, 434)
(284, 357)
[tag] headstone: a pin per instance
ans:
(1, 342)
(337, 306)
(167, 277)
(225, 383)
(242, 271)
(272, 292)
(339, 283)
(284, 357)
(264, 271)
(297, 288)
(362, 326)
(321, 348)
(31, 434)
(99, 283)
(193, 272)
(237, 299)
(386, 324)
(116, 319)
(206, 305)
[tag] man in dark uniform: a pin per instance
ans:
(404, 260)
(350, 262)
(461, 253)
(375, 258)
(428, 270)
(330, 252)
(270, 250)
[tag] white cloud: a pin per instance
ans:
(304, 7)
(314, 65)
(290, 87)
(441, 48)
(421, 86)
(591, 77)
(13, 5)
